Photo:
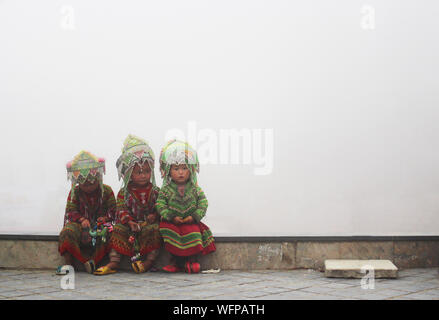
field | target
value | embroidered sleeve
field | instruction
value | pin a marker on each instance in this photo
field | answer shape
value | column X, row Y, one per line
column 72, row 213
column 154, row 196
column 202, row 204
column 110, row 204
column 122, row 211
column 162, row 205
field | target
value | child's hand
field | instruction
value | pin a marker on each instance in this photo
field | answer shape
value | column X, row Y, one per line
column 188, row 220
column 101, row 220
column 134, row 226
column 178, row 220
column 85, row 224
column 150, row 218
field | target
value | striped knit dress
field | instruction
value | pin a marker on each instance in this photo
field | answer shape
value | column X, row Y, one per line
column 186, row 239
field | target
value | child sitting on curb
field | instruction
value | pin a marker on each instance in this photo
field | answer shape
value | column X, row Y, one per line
column 182, row 204
column 136, row 233
column 90, row 202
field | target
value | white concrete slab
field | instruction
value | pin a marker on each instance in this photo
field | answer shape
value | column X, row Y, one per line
column 341, row 268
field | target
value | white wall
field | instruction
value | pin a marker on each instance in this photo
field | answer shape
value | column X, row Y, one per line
column 354, row 112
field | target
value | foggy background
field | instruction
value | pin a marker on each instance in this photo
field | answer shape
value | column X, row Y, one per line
column 353, row 109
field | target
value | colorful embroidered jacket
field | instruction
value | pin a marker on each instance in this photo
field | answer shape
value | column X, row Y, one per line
column 137, row 203
column 171, row 204
column 90, row 207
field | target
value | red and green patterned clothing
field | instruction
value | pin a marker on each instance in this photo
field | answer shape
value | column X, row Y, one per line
column 135, row 205
column 89, row 206
column 185, row 239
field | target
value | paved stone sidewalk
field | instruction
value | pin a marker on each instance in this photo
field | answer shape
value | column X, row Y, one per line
column 236, row 285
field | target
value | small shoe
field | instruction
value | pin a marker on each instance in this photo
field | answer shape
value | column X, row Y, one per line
column 103, row 271
column 138, row 267
column 187, row 267
column 90, row 266
column 192, row 267
column 195, row 267
column 171, row 268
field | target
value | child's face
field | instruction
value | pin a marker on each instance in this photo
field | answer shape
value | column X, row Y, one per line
column 141, row 174
column 89, row 187
column 180, row 173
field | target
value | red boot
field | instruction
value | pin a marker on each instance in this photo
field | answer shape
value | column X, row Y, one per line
column 171, row 268
column 192, row 267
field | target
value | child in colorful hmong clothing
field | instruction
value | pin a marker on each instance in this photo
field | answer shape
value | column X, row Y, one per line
column 90, row 203
column 136, row 233
column 182, row 204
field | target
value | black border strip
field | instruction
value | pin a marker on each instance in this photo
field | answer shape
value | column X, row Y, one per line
column 256, row 238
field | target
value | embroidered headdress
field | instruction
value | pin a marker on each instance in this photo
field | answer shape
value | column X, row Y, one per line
column 135, row 151
column 85, row 166
column 178, row 152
